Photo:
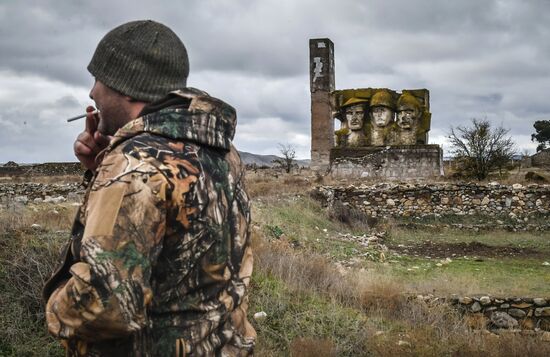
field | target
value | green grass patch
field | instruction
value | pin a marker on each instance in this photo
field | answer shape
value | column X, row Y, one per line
column 292, row 315
column 306, row 225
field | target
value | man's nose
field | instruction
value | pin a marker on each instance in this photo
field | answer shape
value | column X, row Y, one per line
column 91, row 94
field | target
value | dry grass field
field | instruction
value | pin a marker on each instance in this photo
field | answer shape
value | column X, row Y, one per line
column 324, row 293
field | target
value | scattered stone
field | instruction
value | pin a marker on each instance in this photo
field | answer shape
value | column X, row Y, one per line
column 517, row 186
column 539, row 301
column 503, row 320
column 21, row 199
column 73, row 197
column 260, row 316
column 527, row 324
column 59, row 199
column 403, row 343
column 476, row 307
column 36, row 226
column 465, row 300
column 518, row 313
column 542, row 311
column 522, row 305
column 485, row 300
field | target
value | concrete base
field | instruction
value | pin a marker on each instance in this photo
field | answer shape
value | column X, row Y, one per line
column 388, row 162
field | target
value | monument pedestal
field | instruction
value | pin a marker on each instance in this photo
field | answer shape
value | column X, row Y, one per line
column 388, row 162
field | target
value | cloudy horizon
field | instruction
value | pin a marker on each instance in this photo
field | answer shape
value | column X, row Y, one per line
column 479, row 59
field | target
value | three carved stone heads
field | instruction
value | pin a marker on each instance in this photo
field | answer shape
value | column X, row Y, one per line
column 381, row 117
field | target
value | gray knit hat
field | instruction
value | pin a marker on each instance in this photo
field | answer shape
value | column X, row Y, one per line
column 141, row 59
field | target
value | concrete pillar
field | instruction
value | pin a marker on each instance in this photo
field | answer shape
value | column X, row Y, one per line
column 321, row 83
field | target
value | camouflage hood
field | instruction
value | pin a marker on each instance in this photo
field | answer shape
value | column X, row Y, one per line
column 188, row 114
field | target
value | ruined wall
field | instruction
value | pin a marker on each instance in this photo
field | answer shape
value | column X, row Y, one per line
column 515, row 203
column 24, row 193
column 46, row 169
column 494, row 313
column 391, row 162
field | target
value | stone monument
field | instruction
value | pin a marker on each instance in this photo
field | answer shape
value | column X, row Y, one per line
column 321, row 70
column 382, row 132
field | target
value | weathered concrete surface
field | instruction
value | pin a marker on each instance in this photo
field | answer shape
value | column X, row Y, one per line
column 321, row 70
column 322, row 128
column 389, row 162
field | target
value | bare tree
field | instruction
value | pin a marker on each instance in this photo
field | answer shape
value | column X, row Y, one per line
column 289, row 155
column 480, row 148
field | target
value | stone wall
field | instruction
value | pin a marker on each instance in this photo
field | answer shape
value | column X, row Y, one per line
column 46, row 169
column 29, row 192
column 516, row 313
column 391, row 162
column 516, row 203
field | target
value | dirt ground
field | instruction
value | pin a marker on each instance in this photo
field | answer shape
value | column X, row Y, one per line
column 471, row 249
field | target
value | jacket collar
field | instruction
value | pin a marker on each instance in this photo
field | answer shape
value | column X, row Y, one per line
column 207, row 120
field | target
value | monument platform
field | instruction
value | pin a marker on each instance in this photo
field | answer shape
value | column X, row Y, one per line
column 388, row 162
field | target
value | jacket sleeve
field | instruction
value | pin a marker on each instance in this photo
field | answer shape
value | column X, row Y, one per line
column 109, row 289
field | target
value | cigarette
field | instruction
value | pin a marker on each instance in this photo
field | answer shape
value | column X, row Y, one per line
column 81, row 116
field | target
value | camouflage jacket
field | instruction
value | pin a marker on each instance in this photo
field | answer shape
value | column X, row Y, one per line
column 159, row 259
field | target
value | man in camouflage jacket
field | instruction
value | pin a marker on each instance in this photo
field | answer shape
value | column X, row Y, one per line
column 159, row 259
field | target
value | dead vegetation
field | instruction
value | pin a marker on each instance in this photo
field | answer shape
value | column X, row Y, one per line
column 30, row 243
column 392, row 325
column 314, row 307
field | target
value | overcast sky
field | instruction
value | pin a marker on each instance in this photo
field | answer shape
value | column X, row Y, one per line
column 478, row 59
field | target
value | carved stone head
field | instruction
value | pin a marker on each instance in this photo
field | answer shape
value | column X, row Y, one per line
column 354, row 112
column 408, row 111
column 355, row 116
column 382, row 109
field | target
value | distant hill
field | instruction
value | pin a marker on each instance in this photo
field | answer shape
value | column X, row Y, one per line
column 265, row 160
column 247, row 158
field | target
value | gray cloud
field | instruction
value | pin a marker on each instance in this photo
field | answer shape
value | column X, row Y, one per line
column 478, row 58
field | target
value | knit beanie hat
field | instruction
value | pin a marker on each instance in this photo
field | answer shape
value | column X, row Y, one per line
column 141, row 59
